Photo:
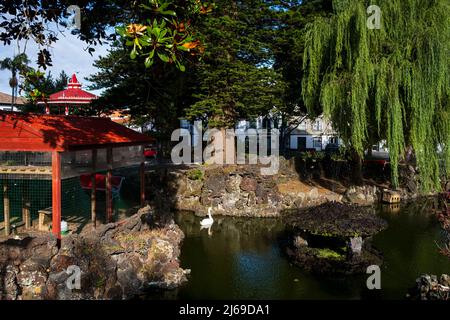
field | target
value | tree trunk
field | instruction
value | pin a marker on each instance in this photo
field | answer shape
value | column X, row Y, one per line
column 283, row 136
column 224, row 145
column 12, row 99
column 357, row 175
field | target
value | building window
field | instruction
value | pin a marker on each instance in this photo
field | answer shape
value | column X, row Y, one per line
column 275, row 123
column 317, row 143
column 317, row 125
column 301, row 143
column 334, row 140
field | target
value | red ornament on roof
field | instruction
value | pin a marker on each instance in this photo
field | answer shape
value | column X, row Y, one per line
column 69, row 98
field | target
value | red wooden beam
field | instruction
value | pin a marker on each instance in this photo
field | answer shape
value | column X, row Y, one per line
column 56, row 194
column 109, row 207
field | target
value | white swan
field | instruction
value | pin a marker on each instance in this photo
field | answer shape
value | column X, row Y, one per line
column 209, row 229
column 208, row 221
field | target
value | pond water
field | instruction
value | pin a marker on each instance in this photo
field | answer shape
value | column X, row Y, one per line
column 242, row 259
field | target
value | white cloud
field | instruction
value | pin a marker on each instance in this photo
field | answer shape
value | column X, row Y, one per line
column 68, row 54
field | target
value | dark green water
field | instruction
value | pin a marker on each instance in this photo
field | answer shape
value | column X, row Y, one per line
column 242, row 259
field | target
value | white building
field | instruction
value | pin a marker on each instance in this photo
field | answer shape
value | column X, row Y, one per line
column 313, row 134
column 5, row 102
column 306, row 136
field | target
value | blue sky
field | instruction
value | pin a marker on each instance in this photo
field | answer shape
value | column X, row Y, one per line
column 68, row 54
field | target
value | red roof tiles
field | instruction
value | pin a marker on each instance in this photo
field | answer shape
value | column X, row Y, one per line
column 36, row 132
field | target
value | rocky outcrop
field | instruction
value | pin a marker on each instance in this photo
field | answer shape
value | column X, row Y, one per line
column 430, row 287
column 443, row 215
column 363, row 195
column 337, row 219
column 326, row 261
column 116, row 261
column 241, row 190
column 368, row 195
column 236, row 190
column 333, row 238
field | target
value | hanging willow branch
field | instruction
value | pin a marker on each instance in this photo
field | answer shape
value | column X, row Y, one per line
column 390, row 83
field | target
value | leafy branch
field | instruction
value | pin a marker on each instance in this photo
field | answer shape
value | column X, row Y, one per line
column 165, row 34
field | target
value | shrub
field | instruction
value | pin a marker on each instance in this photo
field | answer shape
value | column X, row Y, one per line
column 195, row 174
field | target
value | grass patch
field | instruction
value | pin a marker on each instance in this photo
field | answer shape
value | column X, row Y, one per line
column 326, row 253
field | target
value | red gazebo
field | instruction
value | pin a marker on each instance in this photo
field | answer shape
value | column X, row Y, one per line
column 54, row 148
column 69, row 99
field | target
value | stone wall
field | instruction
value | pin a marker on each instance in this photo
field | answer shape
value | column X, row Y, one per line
column 241, row 190
column 430, row 287
column 117, row 261
column 234, row 190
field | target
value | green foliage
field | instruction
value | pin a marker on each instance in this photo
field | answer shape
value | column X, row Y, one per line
column 195, row 174
column 17, row 65
column 326, row 253
column 235, row 79
column 388, row 84
column 22, row 21
column 241, row 74
column 37, row 87
column 157, row 97
column 312, row 156
column 287, row 40
column 34, row 84
column 165, row 31
column 341, row 155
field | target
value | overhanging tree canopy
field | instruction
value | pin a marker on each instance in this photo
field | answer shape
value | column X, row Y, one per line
column 391, row 83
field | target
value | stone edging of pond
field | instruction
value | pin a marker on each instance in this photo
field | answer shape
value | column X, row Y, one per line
column 117, row 261
column 430, row 287
column 241, row 190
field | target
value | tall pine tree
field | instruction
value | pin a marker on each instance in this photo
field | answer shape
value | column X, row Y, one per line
column 235, row 80
column 287, row 39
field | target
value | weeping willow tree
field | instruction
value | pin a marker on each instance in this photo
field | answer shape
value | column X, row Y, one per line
column 390, row 83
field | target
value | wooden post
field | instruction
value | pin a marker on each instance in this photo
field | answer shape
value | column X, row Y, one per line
column 142, row 181
column 56, row 195
column 109, row 207
column 6, row 208
column 94, row 188
column 26, row 207
column 26, row 217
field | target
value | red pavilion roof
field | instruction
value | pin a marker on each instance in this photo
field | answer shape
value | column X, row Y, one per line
column 72, row 95
column 37, row 132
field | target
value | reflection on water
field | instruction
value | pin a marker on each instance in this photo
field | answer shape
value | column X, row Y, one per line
column 242, row 258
